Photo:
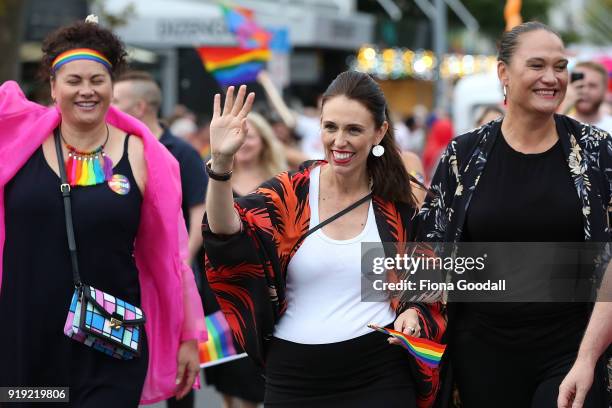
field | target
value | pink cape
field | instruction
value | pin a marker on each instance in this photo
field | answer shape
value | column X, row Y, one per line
column 170, row 298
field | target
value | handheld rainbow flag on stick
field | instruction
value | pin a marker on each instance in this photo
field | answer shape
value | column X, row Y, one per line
column 424, row 350
column 219, row 348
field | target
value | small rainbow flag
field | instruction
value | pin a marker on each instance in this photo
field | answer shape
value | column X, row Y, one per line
column 234, row 65
column 219, row 348
column 425, row 350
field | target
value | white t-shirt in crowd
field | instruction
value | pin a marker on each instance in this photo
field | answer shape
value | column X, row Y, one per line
column 309, row 130
column 605, row 123
column 324, row 285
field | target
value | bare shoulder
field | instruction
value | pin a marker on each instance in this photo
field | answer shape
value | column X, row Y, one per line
column 412, row 162
column 137, row 161
column 136, row 147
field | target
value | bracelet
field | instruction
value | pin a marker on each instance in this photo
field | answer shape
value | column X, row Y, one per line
column 217, row 176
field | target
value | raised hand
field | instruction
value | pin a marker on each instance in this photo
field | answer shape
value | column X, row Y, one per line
column 228, row 128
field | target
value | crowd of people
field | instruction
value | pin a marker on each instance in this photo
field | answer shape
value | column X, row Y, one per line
column 136, row 226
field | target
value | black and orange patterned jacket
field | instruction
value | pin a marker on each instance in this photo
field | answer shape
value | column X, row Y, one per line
column 247, row 270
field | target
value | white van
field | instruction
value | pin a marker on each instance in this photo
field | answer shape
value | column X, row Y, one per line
column 471, row 93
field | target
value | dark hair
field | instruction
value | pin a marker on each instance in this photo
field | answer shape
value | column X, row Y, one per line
column 390, row 179
column 82, row 35
column 485, row 110
column 509, row 40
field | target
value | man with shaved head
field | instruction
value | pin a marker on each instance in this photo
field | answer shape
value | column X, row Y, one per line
column 136, row 93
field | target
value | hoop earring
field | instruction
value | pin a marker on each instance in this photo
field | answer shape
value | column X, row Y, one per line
column 378, row 150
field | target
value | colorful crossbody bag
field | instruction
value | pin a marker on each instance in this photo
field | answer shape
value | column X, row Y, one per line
column 95, row 318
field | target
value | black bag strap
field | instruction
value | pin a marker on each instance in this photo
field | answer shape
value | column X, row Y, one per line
column 337, row 215
column 330, row 219
column 65, row 189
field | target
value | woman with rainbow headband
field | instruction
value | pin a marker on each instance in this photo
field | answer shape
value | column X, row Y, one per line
column 125, row 192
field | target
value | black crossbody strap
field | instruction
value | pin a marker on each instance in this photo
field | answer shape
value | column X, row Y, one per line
column 65, row 189
column 337, row 215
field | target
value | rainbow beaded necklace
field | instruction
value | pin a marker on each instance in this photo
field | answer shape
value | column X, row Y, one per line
column 88, row 168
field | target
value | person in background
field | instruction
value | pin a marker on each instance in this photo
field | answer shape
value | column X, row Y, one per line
column 200, row 139
column 180, row 112
column 184, row 128
column 241, row 382
column 307, row 127
column 439, row 136
column 587, row 93
column 515, row 180
column 131, row 239
column 488, row 113
column 260, row 157
column 136, row 93
column 415, row 123
column 414, row 167
column 287, row 137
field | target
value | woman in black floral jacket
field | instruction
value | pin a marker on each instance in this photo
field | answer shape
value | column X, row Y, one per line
column 531, row 176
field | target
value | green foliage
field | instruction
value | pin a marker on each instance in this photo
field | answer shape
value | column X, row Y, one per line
column 597, row 17
column 570, row 37
column 490, row 14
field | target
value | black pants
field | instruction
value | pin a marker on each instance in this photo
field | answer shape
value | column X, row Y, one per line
column 489, row 375
column 361, row 372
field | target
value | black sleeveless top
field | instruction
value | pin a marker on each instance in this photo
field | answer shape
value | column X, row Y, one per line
column 525, row 198
column 37, row 275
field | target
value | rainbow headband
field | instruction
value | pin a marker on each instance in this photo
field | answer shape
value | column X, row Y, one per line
column 80, row 54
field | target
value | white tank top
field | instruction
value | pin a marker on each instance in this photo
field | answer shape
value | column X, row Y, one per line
column 324, row 285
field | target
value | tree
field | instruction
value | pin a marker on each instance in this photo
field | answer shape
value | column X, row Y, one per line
column 490, row 14
column 11, row 23
column 597, row 16
column 413, row 29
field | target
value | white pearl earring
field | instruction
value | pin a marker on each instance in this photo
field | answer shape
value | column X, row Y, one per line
column 378, row 150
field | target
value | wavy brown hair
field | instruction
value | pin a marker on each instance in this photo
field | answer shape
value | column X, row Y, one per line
column 390, row 179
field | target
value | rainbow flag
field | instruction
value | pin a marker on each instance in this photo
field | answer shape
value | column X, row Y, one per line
column 219, row 348
column 241, row 23
column 233, row 65
column 427, row 351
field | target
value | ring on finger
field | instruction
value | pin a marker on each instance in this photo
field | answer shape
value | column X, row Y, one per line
column 411, row 329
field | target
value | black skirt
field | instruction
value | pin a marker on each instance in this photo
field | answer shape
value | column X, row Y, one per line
column 362, row 372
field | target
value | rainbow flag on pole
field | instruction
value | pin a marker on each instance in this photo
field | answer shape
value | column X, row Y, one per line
column 219, row 348
column 234, row 65
column 241, row 64
column 427, row 351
